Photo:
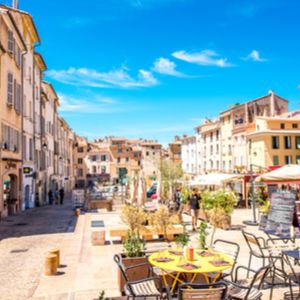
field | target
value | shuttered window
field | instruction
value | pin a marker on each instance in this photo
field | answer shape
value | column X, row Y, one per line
column 10, row 88
column 10, row 42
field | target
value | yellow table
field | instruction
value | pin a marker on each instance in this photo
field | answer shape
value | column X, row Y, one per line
column 203, row 262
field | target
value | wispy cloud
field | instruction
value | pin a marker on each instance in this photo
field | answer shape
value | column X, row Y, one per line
column 119, row 78
column 254, row 55
column 203, row 58
column 165, row 66
column 96, row 104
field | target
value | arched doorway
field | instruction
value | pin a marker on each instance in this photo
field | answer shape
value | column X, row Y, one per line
column 27, row 196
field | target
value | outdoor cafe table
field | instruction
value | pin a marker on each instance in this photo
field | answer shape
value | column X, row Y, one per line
column 210, row 263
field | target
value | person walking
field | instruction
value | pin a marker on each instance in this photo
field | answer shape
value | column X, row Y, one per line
column 61, row 195
column 56, row 196
column 50, row 197
column 195, row 206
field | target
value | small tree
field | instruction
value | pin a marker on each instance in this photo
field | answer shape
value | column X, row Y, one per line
column 162, row 219
column 202, row 235
column 219, row 206
column 134, row 217
column 170, row 174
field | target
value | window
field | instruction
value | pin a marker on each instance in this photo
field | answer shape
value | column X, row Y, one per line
column 287, row 142
column 275, row 142
column 10, row 88
column 298, row 159
column 147, row 153
column 80, row 172
column 297, row 142
column 136, row 154
column 127, row 159
column 211, row 149
column 119, row 160
column 120, row 150
column 94, row 169
column 103, row 169
column 17, row 55
column 24, row 148
column 80, row 149
column 103, row 157
column 295, row 125
column 288, row 159
column 211, row 136
column 10, row 42
column 217, row 135
column 80, row 161
column 275, row 160
column 30, row 149
column 282, row 126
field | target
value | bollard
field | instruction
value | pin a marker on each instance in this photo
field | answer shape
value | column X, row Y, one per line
column 50, row 267
column 56, row 252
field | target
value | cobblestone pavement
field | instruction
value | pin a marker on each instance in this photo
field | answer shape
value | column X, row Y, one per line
column 24, row 241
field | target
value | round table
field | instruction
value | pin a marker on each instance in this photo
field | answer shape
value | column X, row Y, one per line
column 205, row 262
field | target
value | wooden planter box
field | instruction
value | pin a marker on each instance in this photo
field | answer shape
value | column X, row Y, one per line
column 134, row 274
column 147, row 233
column 100, row 204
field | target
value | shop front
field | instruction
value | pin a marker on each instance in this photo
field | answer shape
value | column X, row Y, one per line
column 11, row 183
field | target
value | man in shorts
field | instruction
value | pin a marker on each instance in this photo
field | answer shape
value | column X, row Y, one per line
column 195, row 206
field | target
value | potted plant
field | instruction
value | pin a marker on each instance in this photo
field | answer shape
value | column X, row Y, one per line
column 182, row 239
column 202, row 235
column 133, row 245
column 219, row 206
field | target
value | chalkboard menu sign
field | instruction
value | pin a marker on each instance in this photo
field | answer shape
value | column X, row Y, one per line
column 280, row 217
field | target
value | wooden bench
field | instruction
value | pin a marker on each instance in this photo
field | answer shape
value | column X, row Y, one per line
column 148, row 232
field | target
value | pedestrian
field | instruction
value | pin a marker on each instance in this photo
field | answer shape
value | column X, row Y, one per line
column 50, row 197
column 195, row 206
column 56, row 196
column 61, row 195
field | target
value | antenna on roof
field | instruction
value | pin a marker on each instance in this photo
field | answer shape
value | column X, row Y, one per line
column 15, row 4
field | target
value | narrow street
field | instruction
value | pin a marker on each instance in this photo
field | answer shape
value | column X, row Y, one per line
column 24, row 242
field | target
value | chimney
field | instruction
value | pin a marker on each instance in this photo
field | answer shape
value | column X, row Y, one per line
column 272, row 103
column 15, row 4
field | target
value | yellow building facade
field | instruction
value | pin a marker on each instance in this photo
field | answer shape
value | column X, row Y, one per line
column 276, row 141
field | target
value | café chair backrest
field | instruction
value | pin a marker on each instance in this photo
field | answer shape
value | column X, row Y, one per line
column 192, row 291
column 118, row 261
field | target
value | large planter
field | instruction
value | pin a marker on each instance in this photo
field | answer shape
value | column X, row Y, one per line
column 133, row 274
column 226, row 223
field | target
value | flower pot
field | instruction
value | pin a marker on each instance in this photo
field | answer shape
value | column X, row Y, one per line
column 77, row 212
column 134, row 274
column 226, row 223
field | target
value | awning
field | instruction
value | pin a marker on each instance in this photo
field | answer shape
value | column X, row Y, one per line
column 286, row 174
column 214, row 179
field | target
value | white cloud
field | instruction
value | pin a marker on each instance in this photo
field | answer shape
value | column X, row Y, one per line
column 203, row 58
column 165, row 66
column 254, row 56
column 119, row 78
column 96, row 105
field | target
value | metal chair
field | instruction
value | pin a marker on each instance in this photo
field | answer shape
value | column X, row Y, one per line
column 229, row 248
column 247, row 289
column 257, row 247
column 292, row 272
column 147, row 288
column 192, row 291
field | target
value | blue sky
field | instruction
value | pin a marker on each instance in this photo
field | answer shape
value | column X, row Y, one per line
column 156, row 68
